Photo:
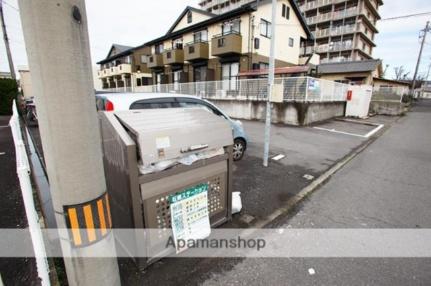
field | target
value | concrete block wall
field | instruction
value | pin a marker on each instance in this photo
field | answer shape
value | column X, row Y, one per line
column 292, row 113
column 387, row 108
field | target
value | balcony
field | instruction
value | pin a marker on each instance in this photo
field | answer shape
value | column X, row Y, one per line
column 307, row 50
column 318, row 4
column 348, row 29
column 345, row 13
column 321, row 33
column 334, row 47
column 174, row 56
column 196, row 51
column 226, row 44
column 121, row 69
column 155, row 61
column 107, row 72
column 335, row 60
column 319, row 18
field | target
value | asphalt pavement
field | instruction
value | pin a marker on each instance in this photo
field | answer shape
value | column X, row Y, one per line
column 386, row 186
column 308, row 151
column 14, row 271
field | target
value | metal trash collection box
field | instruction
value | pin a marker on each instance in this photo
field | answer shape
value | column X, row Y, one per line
column 147, row 137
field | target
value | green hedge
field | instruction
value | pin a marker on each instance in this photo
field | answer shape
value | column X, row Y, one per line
column 8, row 92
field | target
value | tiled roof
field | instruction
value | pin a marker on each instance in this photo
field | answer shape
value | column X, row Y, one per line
column 349, row 67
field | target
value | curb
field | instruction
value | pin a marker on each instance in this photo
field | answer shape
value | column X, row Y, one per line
column 316, row 184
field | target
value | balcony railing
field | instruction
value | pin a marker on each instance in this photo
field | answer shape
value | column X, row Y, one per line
column 116, row 70
column 324, row 17
column 174, row 56
column 196, row 51
column 318, row 4
column 333, row 47
column 155, row 60
column 223, row 6
column 307, row 50
column 335, row 60
column 225, row 44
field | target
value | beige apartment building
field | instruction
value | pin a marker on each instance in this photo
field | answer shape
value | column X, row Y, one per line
column 344, row 30
column 205, row 46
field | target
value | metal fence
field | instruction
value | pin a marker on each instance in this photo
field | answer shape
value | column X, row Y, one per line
column 299, row 89
column 23, row 171
column 389, row 93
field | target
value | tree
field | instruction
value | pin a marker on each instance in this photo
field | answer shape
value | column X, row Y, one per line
column 400, row 73
column 8, row 92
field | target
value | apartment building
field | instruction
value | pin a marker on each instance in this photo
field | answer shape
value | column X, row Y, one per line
column 125, row 66
column 344, row 30
column 205, row 46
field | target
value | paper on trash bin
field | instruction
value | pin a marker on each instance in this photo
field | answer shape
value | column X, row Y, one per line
column 185, row 160
column 236, row 202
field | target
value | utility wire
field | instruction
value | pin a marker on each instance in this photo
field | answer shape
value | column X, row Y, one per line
column 406, row 16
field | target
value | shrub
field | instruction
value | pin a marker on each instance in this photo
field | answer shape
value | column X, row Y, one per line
column 8, row 92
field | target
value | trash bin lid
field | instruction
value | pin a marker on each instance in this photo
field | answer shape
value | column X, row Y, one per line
column 165, row 134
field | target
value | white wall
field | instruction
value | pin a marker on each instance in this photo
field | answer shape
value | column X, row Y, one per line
column 285, row 29
column 196, row 18
column 26, row 84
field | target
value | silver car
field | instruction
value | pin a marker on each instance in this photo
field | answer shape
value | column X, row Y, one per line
column 129, row 101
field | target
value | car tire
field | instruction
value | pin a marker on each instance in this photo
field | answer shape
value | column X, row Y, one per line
column 238, row 149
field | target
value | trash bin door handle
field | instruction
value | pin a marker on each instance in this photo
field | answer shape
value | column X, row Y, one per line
column 194, row 148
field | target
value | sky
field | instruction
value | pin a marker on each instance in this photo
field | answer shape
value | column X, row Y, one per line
column 135, row 22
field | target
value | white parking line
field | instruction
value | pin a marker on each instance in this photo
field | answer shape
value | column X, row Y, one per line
column 278, row 157
column 369, row 134
column 340, row 132
column 5, row 126
column 2, row 153
column 374, row 131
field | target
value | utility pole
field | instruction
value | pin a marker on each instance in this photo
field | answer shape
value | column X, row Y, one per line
column 6, row 42
column 428, row 72
column 56, row 37
column 271, row 75
column 426, row 30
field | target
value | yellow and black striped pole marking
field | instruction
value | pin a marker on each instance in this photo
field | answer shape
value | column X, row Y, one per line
column 89, row 222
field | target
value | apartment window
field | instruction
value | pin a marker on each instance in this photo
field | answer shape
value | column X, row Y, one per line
column 263, row 66
column 221, row 42
column 265, row 28
column 158, row 81
column 138, row 82
column 144, row 59
column 177, row 76
column 128, row 60
column 177, row 44
column 158, row 49
column 231, row 27
column 256, row 43
column 201, row 36
column 189, row 17
column 291, row 42
column 229, row 75
column 200, row 73
column 191, row 49
column 285, row 13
